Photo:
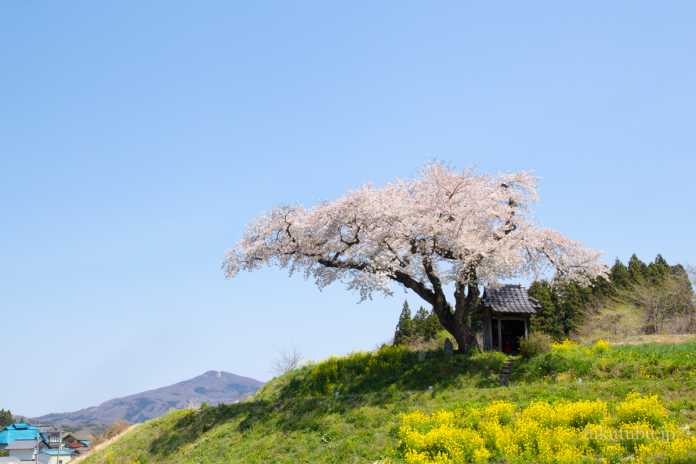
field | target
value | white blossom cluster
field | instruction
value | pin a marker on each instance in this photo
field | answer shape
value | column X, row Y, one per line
column 444, row 227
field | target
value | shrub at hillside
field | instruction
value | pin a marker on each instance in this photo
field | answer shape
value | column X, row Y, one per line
column 535, row 344
column 112, row 431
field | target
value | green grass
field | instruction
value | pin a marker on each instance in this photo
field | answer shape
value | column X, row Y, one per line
column 346, row 410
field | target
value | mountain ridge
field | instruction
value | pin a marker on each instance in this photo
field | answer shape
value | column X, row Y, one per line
column 211, row 387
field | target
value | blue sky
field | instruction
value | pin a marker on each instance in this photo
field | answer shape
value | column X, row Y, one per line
column 138, row 138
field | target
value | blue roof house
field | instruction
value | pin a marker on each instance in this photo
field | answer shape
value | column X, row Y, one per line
column 18, row 431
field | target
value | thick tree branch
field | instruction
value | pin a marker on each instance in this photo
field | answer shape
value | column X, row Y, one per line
column 434, row 281
column 344, row 264
column 418, row 287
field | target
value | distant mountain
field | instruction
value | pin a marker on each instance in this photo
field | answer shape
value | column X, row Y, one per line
column 213, row 387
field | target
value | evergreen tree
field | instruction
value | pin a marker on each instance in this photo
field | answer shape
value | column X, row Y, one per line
column 404, row 328
column 419, row 322
column 681, row 275
column 637, row 269
column 571, row 300
column 5, row 418
column 547, row 318
column 563, row 307
column 658, row 270
column 601, row 288
column 432, row 326
column 619, row 274
column 425, row 324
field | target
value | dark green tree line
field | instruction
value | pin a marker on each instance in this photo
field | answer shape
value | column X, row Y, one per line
column 5, row 418
column 424, row 325
column 662, row 291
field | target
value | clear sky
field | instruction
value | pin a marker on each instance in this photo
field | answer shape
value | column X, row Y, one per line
column 138, row 138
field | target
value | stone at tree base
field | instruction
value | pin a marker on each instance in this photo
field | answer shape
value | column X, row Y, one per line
column 449, row 347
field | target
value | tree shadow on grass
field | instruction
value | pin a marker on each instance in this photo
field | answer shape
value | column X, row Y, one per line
column 391, row 368
column 336, row 386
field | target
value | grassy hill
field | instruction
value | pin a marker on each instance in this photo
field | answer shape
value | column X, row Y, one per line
column 378, row 407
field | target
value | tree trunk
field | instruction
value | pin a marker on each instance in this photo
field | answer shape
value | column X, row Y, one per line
column 466, row 296
column 467, row 301
column 465, row 337
column 457, row 326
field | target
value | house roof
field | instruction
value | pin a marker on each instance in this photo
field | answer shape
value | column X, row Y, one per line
column 18, row 431
column 510, row 299
column 57, row 452
column 19, row 426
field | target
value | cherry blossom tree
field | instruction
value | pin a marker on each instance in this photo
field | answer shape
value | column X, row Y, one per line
column 442, row 233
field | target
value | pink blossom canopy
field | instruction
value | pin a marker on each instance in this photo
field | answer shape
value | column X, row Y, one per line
column 456, row 227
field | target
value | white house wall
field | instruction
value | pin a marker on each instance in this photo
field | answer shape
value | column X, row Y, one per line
column 46, row 459
column 23, row 455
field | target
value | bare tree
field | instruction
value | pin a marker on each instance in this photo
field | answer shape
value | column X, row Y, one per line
column 114, row 430
column 691, row 271
column 287, row 361
column 668, row 305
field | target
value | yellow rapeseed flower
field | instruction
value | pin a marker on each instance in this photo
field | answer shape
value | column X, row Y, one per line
column 565, row 432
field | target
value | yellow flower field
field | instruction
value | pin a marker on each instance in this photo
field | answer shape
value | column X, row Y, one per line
column 548, row 433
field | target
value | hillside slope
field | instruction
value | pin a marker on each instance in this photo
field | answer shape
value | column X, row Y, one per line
column 212, row 387
column 349, row 410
